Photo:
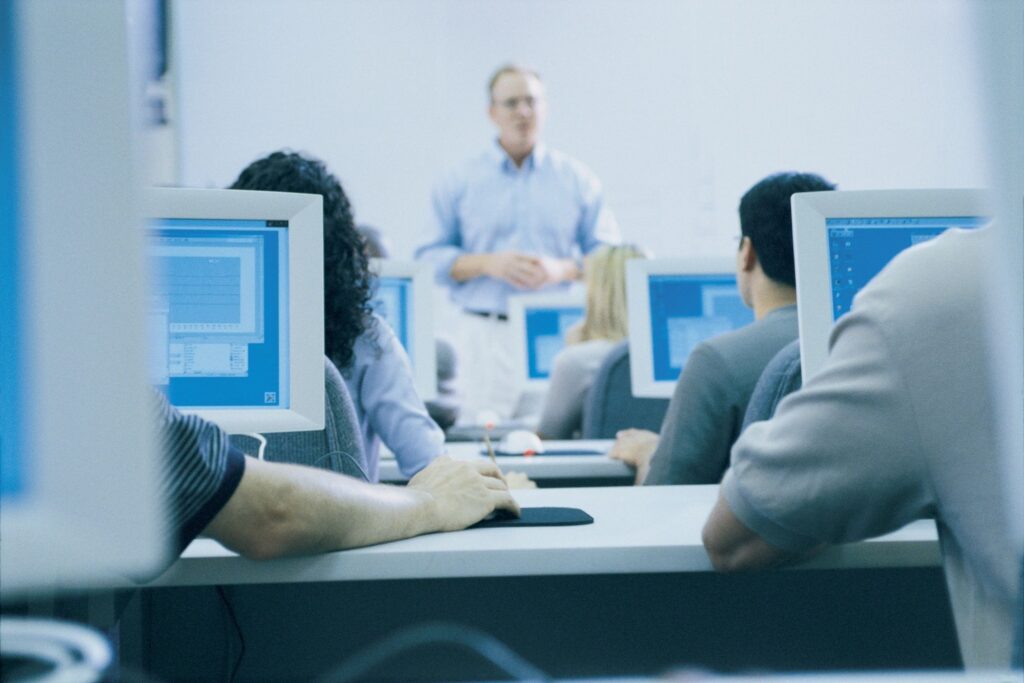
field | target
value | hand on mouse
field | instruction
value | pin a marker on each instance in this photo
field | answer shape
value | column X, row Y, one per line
column 462, row 493
column 635, row 448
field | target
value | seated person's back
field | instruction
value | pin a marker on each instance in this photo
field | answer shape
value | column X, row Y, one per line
column 706, row 412
column 371, row 360
column 898, row 425
column 605, row 324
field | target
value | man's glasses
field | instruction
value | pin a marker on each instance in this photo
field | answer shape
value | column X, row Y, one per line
column 512, row 103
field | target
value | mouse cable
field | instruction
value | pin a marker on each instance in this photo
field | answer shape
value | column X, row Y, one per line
column 233, row 671
column 263, row 444
column 431, row 633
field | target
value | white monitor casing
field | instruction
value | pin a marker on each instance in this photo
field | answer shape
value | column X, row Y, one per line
column 88, row 511
column 423, row 355
column 518, row 306
column 811, row 210
column 305, row 330
column 641, row 355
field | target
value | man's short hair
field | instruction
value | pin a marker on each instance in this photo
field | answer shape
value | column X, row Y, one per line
column 766, row 219
column 510, row 69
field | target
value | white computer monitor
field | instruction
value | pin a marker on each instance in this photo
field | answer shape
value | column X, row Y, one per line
column 236, row 306
column 403, row 296
column 538, row 324
column 842, row 239
column 674, row 304
column 79, row 461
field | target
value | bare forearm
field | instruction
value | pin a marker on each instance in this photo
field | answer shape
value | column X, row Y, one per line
column 470, row 266
column 731, row 546
column 283, row 509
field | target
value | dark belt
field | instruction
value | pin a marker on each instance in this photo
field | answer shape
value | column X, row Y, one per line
column 485, row 314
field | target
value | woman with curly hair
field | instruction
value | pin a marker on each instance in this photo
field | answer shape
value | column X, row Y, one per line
column 363, row 347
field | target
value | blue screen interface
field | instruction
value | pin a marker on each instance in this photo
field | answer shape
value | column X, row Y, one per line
column 686, row 310
column 858, row 248
column 218, row 312
column 393, row 300
column 545, row 336
column 12, row 474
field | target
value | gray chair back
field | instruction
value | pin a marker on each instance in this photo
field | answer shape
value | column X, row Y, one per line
column 781, row 377
column 338, row 447
column 610, row 404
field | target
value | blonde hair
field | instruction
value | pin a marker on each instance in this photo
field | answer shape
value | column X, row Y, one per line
column 605, row 274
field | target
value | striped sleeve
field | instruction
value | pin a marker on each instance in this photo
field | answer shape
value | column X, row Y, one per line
column 200, row 472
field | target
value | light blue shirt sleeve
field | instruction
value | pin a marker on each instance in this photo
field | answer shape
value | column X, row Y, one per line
column 550, row 206
column 387, row 405
column 447, row 246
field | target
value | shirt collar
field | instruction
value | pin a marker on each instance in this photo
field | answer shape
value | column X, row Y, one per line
column 536, row 158
column 781, row 310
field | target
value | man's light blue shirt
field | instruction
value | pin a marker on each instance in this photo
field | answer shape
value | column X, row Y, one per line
column 550, row 206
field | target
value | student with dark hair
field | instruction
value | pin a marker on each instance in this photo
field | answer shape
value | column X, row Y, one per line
column 361, row 344
column 706, row 411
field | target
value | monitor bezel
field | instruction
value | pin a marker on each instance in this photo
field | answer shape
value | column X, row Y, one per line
column 424, row 355
column 91, row 511
column 810, row 212
column 518, row 304
column 641, row 354
column 304, row 213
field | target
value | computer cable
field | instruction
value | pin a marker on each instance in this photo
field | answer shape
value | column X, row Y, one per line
column 432, row 633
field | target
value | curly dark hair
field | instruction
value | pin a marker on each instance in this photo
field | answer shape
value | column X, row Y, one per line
column 347, row 279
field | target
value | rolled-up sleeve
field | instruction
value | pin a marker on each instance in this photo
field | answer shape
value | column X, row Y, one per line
column 841, row 459
column 200, row 473
column 597, row 225
column 446, row 228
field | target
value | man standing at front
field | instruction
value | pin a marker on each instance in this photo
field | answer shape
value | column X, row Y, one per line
column 516, row 218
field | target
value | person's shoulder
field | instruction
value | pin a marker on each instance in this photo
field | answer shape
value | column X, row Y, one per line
column 741, row 342
column 567, row 165
column 378, row 338
column 582, row 352
column 458, row 174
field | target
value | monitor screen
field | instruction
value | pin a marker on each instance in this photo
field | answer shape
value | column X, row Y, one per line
column 858, row 248
column 545, row 336
column 687, row 309
column 538, row 324
column 392, row 300
column 403, row 296
column 12, row 474
column 842, row 239
column 673, row 305
column 236, row 316
column 219, row 312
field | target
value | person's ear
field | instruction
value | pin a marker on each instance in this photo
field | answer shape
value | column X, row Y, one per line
column 748, row 255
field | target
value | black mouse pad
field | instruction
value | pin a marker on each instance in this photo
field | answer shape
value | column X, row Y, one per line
column 539, row 517
column 550, row 451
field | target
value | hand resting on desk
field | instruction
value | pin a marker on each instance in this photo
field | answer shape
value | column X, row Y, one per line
column 635, row 448
column 462, row 496
column 280, row 509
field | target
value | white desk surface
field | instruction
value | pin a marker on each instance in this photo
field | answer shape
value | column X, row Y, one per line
column 538, row 467
column 635, row 530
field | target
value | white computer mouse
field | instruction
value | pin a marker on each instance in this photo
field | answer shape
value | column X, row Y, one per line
column 521, row 441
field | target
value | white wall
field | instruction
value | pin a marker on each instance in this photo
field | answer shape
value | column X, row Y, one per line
column 679, row 106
